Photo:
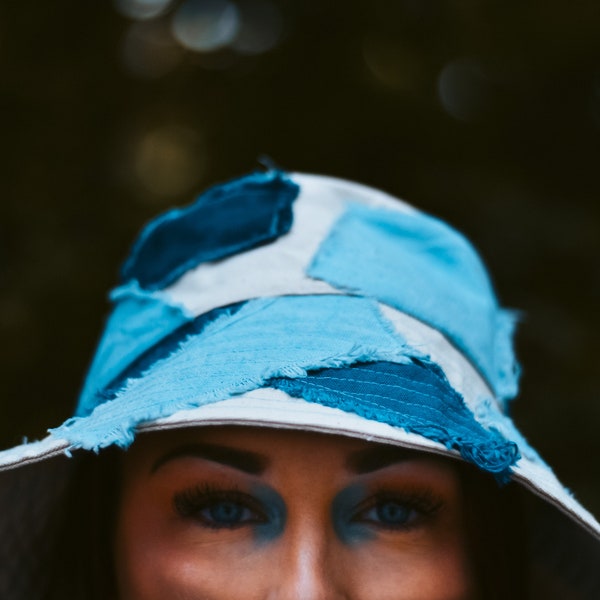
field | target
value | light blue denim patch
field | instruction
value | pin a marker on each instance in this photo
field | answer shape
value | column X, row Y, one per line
column 163, row 349
column 420, row 266
column 239, row 352
column 139, row 320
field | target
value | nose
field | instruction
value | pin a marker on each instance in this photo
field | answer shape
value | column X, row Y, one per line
column 307, row 568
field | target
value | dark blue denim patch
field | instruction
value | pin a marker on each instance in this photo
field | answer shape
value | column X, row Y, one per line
column 224, row 220
column 415, row 396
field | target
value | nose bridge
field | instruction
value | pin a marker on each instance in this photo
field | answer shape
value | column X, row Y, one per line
column 307, row 568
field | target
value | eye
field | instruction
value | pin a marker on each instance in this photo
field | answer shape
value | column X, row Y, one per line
column 218, row 509
column 227, row 513
column 405, row 511
column 391, row 513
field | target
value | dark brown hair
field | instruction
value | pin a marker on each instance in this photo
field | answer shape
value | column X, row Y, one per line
column 497, row 531
column 81, row 567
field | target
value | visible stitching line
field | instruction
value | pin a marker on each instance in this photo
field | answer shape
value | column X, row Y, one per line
column 395, row 386
column 365, row 369
column 372, row 403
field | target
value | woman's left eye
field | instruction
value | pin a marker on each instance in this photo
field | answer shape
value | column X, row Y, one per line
column 218, row 509
column 393, row 512
column 390, row 513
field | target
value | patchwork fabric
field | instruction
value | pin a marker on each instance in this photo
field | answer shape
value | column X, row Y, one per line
column 421, row 266
column 157, row 357
column 415, row 396
column 239, row 352
column 162, row 350
column 139, row 320
column 225, row 220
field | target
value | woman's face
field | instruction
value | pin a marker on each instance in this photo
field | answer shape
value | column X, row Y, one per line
column 239, row 513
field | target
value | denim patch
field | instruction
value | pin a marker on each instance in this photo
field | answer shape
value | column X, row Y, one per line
column 224, row 220
column 138, row 321
column 164, row 348
column 415, row 396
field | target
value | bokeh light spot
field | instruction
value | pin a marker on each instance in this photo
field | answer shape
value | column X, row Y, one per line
column 206, row 25
column 142, row 9
column 261, row 27
column 463, row 89
column 169, row 160
column 149, row 51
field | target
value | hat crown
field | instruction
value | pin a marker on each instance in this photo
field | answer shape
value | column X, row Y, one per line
column 350, row 240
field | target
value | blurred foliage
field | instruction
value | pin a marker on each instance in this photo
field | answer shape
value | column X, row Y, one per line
column 485, row 113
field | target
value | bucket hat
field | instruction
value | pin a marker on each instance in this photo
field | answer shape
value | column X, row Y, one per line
column 303, row 302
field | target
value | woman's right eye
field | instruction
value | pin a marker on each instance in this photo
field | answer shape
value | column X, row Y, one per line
column 219, row 509
column 227, row 513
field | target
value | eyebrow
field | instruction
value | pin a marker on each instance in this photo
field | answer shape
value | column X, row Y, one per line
column 378, row 457
column 242, row 460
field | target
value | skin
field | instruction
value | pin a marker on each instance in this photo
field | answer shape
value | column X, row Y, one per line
column 262, row 514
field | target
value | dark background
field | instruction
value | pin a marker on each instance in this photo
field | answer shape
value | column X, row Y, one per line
column 484, row 113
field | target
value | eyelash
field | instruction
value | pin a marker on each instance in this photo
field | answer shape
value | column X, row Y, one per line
column 199, row 503
column 416, row 507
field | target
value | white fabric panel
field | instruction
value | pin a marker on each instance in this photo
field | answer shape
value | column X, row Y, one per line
column 278, row 268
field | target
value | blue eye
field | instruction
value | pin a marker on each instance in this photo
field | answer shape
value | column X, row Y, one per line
column 218, row 509
column 227, row 513
column 392, row 514
column 401, row 512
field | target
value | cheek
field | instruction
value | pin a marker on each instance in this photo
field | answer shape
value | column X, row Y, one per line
column 429, row 561
column 158, row 555
column 142, row 553
column 417, row 568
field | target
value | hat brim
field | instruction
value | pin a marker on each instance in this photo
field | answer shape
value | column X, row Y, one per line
column 268, row 407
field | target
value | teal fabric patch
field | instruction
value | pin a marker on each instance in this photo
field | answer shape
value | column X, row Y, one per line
column 420, row 266
column 415, row 396
column 239, row 352
column 139, row 320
